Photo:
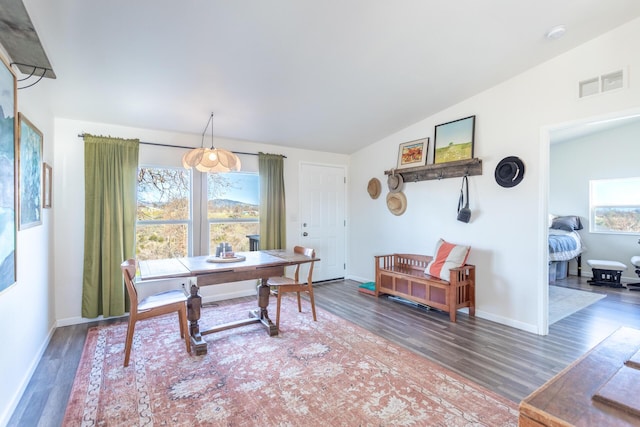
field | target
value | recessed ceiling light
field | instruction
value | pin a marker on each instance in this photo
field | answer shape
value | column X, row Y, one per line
column 556, row 32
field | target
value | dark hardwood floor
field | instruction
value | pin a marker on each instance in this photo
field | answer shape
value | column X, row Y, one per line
column 508, row 361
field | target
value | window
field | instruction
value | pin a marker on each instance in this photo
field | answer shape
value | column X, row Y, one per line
column 614, row 206
column 169, row 218
column 164, row 219
column 232, row 209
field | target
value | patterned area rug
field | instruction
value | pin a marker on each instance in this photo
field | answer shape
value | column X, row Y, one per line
column 330, row 372
column 564, row 302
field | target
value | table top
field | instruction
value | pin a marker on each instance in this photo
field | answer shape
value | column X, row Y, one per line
column 194, row 266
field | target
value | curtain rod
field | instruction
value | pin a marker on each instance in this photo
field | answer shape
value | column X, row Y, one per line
column 183, row 147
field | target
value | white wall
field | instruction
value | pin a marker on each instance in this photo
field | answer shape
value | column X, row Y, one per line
column 26, row 308
column 507, row 231
column 69, row 188
column 614, row 153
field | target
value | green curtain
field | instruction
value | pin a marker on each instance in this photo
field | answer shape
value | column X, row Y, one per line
column 273, row 218
column 110, row 174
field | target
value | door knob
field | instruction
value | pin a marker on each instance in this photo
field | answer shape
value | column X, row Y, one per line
column 305, row 234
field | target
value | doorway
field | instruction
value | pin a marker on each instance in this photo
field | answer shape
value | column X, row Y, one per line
column 323, row 217
column 575, row 156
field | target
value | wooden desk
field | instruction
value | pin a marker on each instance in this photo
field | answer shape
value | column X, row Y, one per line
column 256, row 265
column 567, row 399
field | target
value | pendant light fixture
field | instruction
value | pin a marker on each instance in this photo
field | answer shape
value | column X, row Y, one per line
column 211, row 159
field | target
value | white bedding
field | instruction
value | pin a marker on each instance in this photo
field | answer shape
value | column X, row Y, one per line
column 564, row 245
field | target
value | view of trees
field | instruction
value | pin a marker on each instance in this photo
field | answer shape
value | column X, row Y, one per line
column 621, row 219
column 615, row 205
column 234, row 233
column 230, row 220
column 162, row 230
column 161, row 241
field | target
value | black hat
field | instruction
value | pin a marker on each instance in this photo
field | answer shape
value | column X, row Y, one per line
column 509, row 171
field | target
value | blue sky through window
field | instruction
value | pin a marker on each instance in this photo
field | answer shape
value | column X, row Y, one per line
column 245, row 188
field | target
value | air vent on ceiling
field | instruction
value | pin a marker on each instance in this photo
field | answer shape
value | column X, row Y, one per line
column 604, row 83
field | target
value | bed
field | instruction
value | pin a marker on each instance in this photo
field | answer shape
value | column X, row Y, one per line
column 565, row 243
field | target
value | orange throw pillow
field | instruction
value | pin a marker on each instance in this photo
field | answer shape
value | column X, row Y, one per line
column 447, row 256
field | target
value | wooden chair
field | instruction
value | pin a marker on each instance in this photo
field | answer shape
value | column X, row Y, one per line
column 286, row 284
column 152, row 306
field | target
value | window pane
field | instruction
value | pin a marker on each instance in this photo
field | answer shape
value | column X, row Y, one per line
column 235, row 233
column 161, row 241
column 234, row 195
column 163, row 194
column 615, row 205
column 232, row 209
column 163, row 215
column 616, row 220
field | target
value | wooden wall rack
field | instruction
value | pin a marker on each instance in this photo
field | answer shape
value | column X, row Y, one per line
column 455, row 169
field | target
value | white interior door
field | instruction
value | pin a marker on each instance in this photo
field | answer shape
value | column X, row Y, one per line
column 322, row 217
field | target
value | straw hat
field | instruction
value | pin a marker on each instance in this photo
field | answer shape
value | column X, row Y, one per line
column 509, row 172
column 395, row 182
column 397, row 203
column 374, row 187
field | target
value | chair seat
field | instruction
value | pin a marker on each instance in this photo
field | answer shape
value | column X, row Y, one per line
column 163, row 298
column 635, row 260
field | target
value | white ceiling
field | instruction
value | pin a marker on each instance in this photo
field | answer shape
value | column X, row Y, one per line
column 592, row 126
column 331, row 75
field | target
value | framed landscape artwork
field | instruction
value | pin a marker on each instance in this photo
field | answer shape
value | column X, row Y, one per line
column 29, row 174
column 454, row 140
column 413, row 153
column 8, row 231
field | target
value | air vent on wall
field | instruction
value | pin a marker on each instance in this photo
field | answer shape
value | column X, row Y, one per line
column 604, row 83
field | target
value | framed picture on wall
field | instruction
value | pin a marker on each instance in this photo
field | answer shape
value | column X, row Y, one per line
column 413, row 153
column 29, row 174
column 8, row 232
column 46, row 185
column 454, row 140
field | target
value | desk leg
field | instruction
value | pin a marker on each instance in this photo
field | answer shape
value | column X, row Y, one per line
column 263, row 302
column 194, row 303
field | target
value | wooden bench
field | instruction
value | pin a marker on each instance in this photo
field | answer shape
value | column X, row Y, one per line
column 403, row 275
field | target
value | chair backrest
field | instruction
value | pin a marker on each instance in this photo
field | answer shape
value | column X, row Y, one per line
column 129, row 272
column 310, row 253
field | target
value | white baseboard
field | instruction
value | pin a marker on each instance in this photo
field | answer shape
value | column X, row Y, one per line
column 508, row 322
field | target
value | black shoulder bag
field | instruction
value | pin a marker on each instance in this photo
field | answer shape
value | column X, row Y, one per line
column 464, row 213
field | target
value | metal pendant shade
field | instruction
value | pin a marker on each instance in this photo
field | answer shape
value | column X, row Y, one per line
column 211, row 159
